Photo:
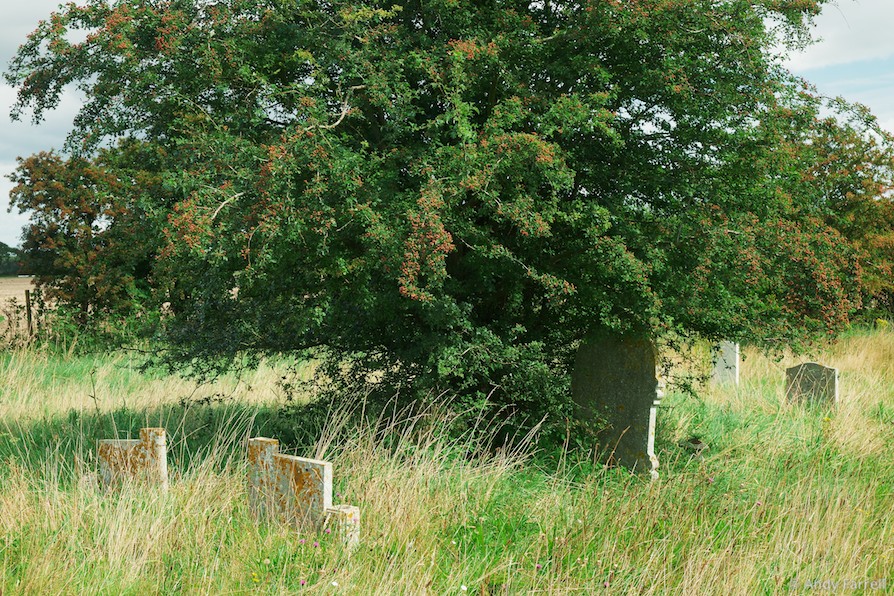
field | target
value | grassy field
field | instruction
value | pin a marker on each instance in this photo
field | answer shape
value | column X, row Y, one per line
column 785, row 495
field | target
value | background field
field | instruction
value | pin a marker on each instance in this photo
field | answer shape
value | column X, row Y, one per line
column 14, row 287
column 784, row 494
column 13, row 321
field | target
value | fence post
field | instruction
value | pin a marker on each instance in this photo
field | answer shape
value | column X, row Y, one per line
column 28, row 312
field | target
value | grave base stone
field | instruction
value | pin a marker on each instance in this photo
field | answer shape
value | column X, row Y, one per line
column 614, row 383
column 345, row 520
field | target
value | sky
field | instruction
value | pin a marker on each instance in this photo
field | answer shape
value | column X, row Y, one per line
column 854, row 59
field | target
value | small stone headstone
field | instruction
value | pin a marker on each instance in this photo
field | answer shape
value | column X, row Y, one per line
column 813, row 383
column 145, row 458
column 614, row 382
column 726, row 364
column 297, row 491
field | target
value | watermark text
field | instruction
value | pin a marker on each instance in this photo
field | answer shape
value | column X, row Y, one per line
column 838, row 585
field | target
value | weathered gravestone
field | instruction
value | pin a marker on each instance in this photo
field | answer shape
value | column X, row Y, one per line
column 614, row 382
column 813, row 383
column 726, row 364
column 297, row 491
column 145, row 458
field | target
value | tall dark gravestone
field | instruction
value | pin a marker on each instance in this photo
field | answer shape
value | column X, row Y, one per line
column 614, row 382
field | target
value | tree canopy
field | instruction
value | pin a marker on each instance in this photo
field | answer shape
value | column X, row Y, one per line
column 451, row 194
column 10, row 259
column 90, row 240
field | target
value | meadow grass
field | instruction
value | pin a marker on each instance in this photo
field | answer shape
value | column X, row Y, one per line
column 784, row 494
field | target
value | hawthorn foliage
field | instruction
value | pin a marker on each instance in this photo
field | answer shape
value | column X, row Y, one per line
column 849, row 174
column 450, row 194
column 90, row 240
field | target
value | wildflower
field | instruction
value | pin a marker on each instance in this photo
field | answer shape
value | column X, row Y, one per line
column 303, row 582
column 710, row 480
column 266, row 561
column 301, row 541
column 328, row 530
column 316, row 545
column 335, row 584
column 759, row 503
column 538, row 566
column 463, row 588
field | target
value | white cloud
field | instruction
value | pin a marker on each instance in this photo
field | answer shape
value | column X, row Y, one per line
column 11, row 225
column 23, row 138
column 11, row 222
column 855, row 57
column 851, row 31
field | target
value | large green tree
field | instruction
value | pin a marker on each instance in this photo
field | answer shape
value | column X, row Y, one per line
column 451, row 194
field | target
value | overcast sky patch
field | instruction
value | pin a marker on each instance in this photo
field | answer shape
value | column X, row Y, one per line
column 850, row 31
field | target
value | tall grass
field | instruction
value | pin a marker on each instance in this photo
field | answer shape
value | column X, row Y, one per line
column 784, row 493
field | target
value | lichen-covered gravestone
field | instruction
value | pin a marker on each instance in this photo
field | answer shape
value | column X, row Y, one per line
column 614, row 382
column 726, row 364
column 813, row 383
column 145, row 458
column 297, row 491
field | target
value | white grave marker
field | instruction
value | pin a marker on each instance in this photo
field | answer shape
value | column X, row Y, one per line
column 726, row 364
